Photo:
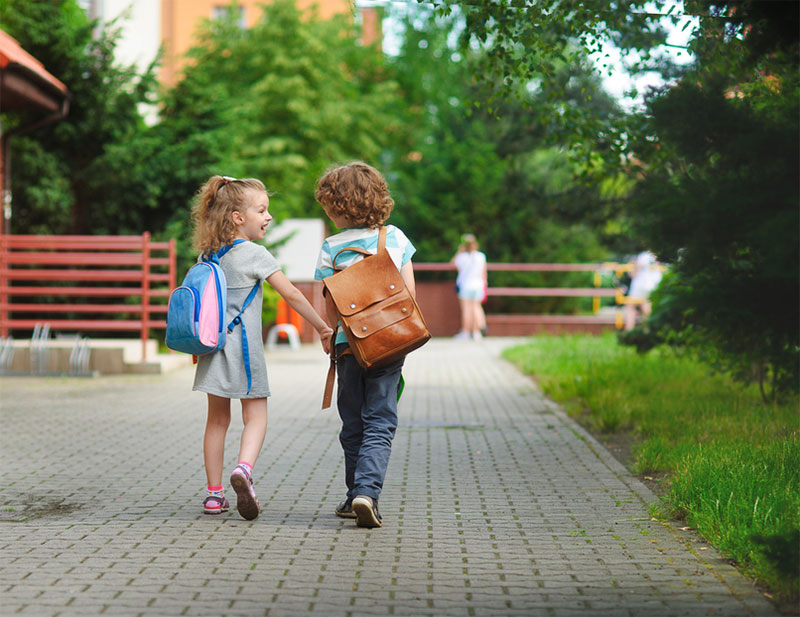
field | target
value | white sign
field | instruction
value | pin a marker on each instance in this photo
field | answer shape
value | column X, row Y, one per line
column 295, row 244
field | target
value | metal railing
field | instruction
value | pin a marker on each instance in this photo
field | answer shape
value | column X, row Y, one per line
column 597, row 291
column 79, row 283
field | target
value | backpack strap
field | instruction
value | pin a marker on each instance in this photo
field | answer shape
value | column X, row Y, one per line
column 353, row 249
column 215, row 256
column 382, row 239
column 332, row 317
column 329, row 381
column 327, row 394
column 366, row 253
column 237, row 321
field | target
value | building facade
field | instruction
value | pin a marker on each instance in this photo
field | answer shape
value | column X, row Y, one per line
column 147, row 25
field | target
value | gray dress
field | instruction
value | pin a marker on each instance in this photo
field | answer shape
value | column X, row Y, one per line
column 223, row 373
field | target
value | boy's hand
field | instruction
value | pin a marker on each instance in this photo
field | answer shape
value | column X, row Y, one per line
column 325, row 338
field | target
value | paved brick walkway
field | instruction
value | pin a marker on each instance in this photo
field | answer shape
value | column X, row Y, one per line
column 495, row 504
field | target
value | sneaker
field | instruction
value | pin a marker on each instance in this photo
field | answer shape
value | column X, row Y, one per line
column 366, row 510
column 476, row 336
column 246, row 501
column 462, row 336
column 215, row 505
column 345, row 509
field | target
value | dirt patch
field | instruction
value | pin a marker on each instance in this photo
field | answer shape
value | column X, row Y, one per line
column 21, row 508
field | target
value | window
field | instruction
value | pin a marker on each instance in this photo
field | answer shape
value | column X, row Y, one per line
column 221, row 12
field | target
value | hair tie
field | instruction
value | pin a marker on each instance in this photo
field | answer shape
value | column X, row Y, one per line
column 228, row 179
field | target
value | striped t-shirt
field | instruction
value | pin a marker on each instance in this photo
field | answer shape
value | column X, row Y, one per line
column 397, row 244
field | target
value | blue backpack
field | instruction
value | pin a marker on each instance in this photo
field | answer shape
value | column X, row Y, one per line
column 196, row 311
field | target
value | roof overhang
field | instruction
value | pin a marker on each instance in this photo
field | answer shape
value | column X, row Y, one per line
column 25, row 85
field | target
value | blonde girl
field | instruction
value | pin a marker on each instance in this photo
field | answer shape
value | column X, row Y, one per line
column 471, row 284
column 232, row 211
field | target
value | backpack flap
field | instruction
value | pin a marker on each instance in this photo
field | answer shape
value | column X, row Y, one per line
column 382, row 315
column 366, row 282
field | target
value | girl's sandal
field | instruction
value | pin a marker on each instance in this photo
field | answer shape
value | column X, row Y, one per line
column 215, row 505
column 246, row 500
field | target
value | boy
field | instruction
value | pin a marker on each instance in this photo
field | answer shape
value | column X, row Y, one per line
column 356, row 199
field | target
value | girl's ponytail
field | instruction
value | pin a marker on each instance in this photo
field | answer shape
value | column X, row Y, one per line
column 216, row 200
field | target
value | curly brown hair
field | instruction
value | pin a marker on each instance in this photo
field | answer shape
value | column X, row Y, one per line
column 214, row 203
column 356, row 192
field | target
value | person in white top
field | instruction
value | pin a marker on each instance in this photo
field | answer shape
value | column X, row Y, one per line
column 471, row 285
column 645, row 277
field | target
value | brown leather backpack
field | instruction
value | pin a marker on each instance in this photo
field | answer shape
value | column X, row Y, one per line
column 379, row 316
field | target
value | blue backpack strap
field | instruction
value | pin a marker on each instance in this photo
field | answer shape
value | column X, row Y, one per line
column 214, row 257
column 238, row 320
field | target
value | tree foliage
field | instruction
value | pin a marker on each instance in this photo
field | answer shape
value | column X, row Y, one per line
column 280, row 101
column 529, row 42
column 498, row 175
column 87, row 173
column 720, row 191
column 714, row 156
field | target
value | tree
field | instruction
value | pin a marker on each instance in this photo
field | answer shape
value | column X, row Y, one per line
column 529, row 42
column 720, row 191
column 499, row 175
column 714, row 156
column 281, row 101
column 463, row 166
column 87, row 173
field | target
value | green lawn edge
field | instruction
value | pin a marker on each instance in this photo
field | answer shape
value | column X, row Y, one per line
column 729, row 463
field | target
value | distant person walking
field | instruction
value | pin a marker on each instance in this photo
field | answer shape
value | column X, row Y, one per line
column 235, row 214
column 471, row 285
column 645, row 277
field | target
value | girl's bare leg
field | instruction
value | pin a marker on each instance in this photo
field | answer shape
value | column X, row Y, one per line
column 219, row 418
column 467, row 315
column 481, row 316
column 254, row 417
column 477, row 313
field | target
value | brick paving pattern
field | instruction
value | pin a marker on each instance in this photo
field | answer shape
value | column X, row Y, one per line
column 495, row 503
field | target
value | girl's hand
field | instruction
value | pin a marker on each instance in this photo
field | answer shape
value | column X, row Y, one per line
column 325, row 335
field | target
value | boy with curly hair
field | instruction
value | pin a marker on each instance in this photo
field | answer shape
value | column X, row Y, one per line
column 356, row 199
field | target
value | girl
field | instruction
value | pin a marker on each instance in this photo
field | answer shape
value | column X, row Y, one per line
column 226, row 210
column 471, row 284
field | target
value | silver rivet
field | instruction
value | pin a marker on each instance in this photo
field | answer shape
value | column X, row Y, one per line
column 391, row 286
column 363, row 328
column 352, row 306
column 404, row 310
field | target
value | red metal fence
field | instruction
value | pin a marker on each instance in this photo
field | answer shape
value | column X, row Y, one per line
column 440, row 306
column 78, row 283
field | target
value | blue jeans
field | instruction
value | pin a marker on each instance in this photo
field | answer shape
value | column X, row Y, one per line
column 367, row 402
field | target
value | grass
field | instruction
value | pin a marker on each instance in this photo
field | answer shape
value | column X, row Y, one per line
column 732, row 462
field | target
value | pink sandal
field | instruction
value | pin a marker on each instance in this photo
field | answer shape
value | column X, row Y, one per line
column 215, row 505
column 246, row 500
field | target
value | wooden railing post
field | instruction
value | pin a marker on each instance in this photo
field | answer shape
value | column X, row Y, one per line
column 145, row 292
column 4, row 291
column 172, row 252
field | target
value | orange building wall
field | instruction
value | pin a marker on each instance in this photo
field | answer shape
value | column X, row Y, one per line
column 180, row 18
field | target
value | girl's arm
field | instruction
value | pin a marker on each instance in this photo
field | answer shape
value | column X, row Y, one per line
column 298, row 302
column 407, row 272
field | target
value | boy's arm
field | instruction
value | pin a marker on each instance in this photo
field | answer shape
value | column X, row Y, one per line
column 407, row 272
column 298, row 302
